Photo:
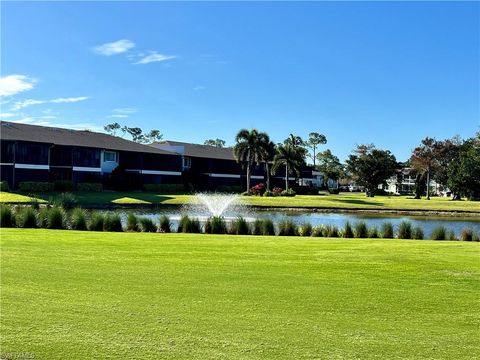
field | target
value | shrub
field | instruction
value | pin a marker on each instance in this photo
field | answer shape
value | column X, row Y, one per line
column 65, row 200
column 277, row 191
column 63, row 185
column 195, row 227
column 96, row 221
column 26, row 218
column 268, row 227
column 319, row 231
column 361, row 230
column 239, row 226
column 305, row 229
column 334, row 191
column 56, row 218
column 465, row 235
column 6, row 216
column 91, row 187
column 113, row 223
column 147, row 225
column 417, row 233
column 215, row 225
column 268, row 193
column 405, row 230
column 35, row 186
column 78, row 219
column 258, row 189
column 387, row 230
column 347, row 231
column 165, row 226
column 132, row 223
column 439, row 233
column 289, row 192
column 165, row 188
column 4, row 186
column 373, row 233
column 287, row 228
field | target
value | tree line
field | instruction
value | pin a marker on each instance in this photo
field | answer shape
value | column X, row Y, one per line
column 452, row 163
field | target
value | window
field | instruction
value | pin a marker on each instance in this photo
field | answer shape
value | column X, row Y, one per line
column 187, row 162
column 86, row 157
column 110, row 156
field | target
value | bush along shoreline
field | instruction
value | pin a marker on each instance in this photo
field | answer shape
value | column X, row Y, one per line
column 57, row 217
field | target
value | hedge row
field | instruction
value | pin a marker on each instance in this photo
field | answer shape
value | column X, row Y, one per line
column 63, row 185
column 78, row 219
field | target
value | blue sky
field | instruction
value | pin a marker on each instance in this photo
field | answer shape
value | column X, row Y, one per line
column 364, row 72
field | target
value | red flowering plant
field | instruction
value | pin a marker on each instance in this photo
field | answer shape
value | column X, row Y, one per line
column 258, row 189
column 277, row 191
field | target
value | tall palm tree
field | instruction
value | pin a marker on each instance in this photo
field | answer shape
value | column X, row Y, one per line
column 290, row 157
column 267, row 157
column 250, row 148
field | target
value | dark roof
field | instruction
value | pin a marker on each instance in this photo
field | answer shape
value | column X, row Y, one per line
column 197, row 150
column 68, row 137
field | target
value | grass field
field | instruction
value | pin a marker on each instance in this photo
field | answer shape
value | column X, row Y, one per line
column 84, row 295
column 341, row 201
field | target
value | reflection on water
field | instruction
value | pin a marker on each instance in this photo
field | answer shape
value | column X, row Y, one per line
column 427, row 223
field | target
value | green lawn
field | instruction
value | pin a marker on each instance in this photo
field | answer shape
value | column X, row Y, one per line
column 341, row 201
column 85, row 295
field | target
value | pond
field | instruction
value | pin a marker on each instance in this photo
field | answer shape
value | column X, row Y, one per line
column 426, row 223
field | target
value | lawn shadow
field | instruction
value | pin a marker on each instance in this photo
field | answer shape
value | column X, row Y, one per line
column 359, row 202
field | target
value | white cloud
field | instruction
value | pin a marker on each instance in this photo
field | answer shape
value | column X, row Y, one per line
column 113, row 48
column 14, row 84
column 154, row 57
column 6, row 115
column 199, row 88
column 124, row 110
column 29, row 102
column 118, row 116
column 69, row 100
column 79, row 126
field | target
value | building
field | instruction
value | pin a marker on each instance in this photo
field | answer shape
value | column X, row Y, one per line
column 39, row 153
column 208, row 167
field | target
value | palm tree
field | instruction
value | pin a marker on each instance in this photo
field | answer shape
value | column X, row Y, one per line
column 250, row 148
column 267, row 157
column 290, row 157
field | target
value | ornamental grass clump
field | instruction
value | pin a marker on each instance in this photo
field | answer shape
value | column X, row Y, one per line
column 405, row 230
column 439, row 233
column 147, row 225
column 268, row 227
column 466, row 235
column 361, row 230
column 194, row 226
column 215, row 225
column 257, row 227
column 78, row 219
column 239, row 226
column 132, row 223
column 319, row 231
column 417, row 233
column 96, row 221
column 305, row 229
column 347, row 231
column 26, row 217
column 164, row 225
column 373, row 233
column 332, row 231
column 451, row 236
column 183, row 224
column 387, row 230
column 56, row 218
column 287, row 228
column 6, row 216
column 112, row 223
column 42, row 217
